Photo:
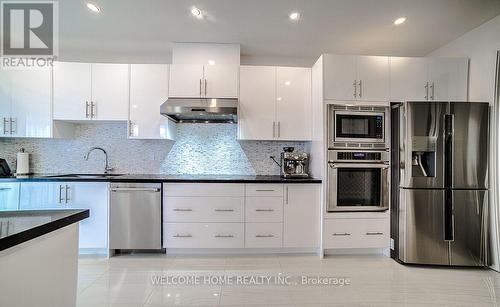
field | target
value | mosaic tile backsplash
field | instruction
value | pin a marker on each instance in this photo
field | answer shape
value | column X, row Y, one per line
column 199, row 149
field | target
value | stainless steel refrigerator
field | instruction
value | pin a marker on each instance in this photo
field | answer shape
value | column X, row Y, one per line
column 439, row 184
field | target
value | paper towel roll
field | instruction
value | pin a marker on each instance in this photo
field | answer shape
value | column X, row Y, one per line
column 23, row 163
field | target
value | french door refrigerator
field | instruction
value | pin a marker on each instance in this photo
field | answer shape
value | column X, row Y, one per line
column 439, row 193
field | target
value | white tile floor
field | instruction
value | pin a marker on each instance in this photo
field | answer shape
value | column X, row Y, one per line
column 374, row 281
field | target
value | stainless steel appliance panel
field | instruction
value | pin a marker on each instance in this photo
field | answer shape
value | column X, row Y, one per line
column 470, row 145
column 423, row 149
column 421, row 235
column 470, row 238
column 135, row 216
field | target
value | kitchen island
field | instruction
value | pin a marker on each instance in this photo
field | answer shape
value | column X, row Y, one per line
column 39, row 256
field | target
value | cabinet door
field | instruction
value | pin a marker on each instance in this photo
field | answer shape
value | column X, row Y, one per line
column 5, row 103
column 31, row 103
column 449, row 79
column 293, row 103
column 148, row 90
column 339, row 77
column 408, row 79
column 257, row 111
column 92, row 196
column 9, row 196
column 373, row 78
column 221, row 81
column 42, row 196
column 186, row 80
column 110, row 91
column 301, row 218
column 72, row 90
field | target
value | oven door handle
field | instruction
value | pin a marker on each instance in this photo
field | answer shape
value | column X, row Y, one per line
column 360, row 165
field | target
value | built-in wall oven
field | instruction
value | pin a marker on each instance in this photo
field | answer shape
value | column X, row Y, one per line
column 357, row 127
column 358, row 180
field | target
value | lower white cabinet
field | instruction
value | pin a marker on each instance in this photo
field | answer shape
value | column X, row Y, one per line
column 9, row 196
column 263, row 235
column 356, row 233
column 204, row 235
column 201, row 209
column 72, row 195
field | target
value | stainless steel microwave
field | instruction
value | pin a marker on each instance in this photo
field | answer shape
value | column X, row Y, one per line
column 357, row 127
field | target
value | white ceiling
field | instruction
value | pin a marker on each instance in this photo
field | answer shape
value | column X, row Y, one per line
column 148, row 27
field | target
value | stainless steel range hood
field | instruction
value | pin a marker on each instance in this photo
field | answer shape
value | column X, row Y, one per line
column 201, row 110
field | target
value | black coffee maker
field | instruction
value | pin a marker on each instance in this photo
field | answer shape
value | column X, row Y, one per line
column 4, row 169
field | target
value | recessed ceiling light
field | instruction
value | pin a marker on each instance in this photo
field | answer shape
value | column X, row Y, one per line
column 294, row 16
column 287, row 83
column 211, row 62
column 399, row 21
column 196, row 12
column 93, row 7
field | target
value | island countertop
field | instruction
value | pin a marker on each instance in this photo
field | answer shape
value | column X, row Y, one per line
column 17, row 227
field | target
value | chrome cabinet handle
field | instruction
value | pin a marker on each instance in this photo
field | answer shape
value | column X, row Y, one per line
column 60, row 194
column 341, row 234
column 432, row 91
column 264, row 210
column 206, row 83
column 182, row 236
column 279, row 129
column 5, row 189
column 13, row 125
column 264, row 236
column 131, row 128
column 135, row 190
column 264, row 190
column 355, row 84
column 224, row 210
column 200, row 87
column 286, row 196
column 93, row 109
column 182, row 210
column 360, row 89
column 86, row 109
column 274, row 130
column 224, row 236
column 66, row 198
column 374, row 233
column 426, row 90
column 5, row 125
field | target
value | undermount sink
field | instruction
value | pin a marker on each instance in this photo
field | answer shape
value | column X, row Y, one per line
column 83, row 176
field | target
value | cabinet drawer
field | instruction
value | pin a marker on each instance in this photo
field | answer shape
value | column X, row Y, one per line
column 203, row 209
column 263, row 235
column 204, row 189
column 375, row 233
column 264, row 209
column 356, row 233
column 273, row 190
column 203, row 235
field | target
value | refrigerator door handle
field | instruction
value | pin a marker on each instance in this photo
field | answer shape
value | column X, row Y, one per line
column 449, row 120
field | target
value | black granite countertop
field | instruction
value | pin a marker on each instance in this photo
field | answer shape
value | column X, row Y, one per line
column 17, row 227
column 159, row 178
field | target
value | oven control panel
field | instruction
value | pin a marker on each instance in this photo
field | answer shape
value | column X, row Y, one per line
column 355, row 156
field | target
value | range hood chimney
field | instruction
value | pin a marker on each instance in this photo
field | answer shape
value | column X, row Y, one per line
column 200, row 108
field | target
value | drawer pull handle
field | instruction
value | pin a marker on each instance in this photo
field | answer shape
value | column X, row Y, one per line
column 374, row 233
column 224, row 210
column 264, row 210
column 341, row 234
column 183, row 210
column 224, row 236
column 264, row 236
column 182, row 236
column 264, row 190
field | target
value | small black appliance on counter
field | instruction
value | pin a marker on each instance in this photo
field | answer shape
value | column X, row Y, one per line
column 4, row 169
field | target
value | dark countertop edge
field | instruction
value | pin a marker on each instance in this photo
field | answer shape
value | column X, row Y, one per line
column 153, row 180
column 43, row 229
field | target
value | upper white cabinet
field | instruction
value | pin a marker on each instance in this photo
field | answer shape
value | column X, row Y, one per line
column 148, row 90
column 26, row 103
column 301, row 207
column 432, row 79
column 275, row 103
column 206, row 81
column 356, row 78
column 84, row 91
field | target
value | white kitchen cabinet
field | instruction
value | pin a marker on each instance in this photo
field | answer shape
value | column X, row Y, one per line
column 293, row 103
column 356, row 78
column 301, row 215
column 186, row 80
column 72, row 90
column 84, row 91
column 26, row 103
column 92, row 196
column 275, row 103
column 408, row 78
column 341, row 233
column 72, row 195
column 221, row 81
column 148, row 91
column 9, row 196
column 429, row 79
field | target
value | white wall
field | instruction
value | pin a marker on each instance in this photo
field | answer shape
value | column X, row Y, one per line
column 481, row 46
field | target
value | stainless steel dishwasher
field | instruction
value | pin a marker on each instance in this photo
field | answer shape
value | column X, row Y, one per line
column 135, row 216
